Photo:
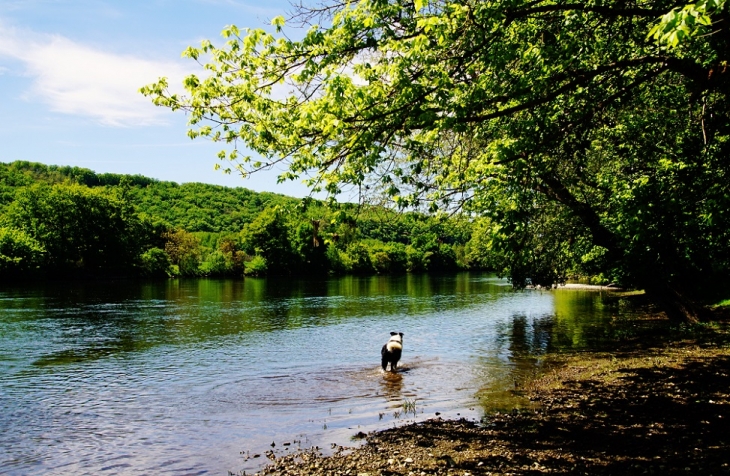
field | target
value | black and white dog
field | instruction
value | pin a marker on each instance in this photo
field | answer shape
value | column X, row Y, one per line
column 391, row 351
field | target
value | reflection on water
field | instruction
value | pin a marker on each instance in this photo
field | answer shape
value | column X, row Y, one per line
column 392, row 385
column 183, row 375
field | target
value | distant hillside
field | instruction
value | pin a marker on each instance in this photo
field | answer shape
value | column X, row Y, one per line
column 191, row 206
column 69, row 221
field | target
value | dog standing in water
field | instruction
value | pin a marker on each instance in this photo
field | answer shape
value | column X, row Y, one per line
column 391, row 351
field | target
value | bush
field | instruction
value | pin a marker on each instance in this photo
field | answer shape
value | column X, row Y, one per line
column 387, row 257
column 336, row 260
column 215, row 264
column 268, row 236
column 356, row 259
column 19, row 252
column 155, row 263
column 257, row 266
column 441, row 259
column 184, row 251
column 415, row 260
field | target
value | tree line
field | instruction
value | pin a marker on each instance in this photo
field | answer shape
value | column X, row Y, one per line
column 70, row 221
column 592, row 134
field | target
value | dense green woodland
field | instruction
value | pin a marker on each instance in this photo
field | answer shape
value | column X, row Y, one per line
column 68, row 221
column 587, row 134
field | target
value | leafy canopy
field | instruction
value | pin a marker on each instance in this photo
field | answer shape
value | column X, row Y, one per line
column 582, row 129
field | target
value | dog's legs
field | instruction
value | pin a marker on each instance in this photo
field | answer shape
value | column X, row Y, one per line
column 384, row 363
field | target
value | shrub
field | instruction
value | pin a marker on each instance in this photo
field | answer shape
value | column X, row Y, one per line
column 257, row 266
column 356, row 258
column 216, row 264
column 184, row 251
column 19, row 252
column 155, row 263
column 415, row 260
column 387, row 257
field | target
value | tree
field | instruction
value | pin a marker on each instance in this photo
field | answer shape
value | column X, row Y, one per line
column 267, row 236
column 79, row 228
column 184, row 251
column 19, row 253
column 603, row 123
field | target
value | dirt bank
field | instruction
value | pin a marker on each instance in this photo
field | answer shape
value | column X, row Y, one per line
column 662, row 409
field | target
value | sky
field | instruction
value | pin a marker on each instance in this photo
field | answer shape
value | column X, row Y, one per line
column 70, row 71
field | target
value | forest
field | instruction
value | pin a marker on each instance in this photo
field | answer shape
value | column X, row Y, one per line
column 592, row 134
column 540, row 139
column 69, row 221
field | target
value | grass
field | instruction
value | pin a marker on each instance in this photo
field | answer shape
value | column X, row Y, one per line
column 409, row 406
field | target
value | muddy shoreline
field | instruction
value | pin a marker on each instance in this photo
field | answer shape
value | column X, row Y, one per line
column 647, row 407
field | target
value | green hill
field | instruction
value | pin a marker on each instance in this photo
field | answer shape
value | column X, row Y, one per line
column 194, row 207
column 60, row 221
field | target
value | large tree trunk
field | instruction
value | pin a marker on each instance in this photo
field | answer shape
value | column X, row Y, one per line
column 678, row 306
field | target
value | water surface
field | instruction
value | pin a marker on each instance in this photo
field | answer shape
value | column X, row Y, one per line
column 197, row 376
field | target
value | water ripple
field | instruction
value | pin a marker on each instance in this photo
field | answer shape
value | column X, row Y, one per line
column 181, row 376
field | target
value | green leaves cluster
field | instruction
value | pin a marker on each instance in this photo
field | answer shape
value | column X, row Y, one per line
column 591, row 134
column 20, row 253
column 63, row 228
column 682, row 23
column 52, row 225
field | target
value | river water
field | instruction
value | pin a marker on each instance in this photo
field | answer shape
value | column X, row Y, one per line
column 199, row 376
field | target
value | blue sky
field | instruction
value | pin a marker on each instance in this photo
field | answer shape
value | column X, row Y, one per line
column 69, row 75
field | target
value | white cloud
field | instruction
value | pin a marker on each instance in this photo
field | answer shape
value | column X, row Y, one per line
column 73, row 78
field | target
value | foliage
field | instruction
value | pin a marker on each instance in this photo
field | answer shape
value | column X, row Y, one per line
column 387, row 258
column 593, row 134
column 23, row 173
column 311, row 247
column 78, row 227
column 287, row 237
column 692, row 19
column 257, row 266
column 19, row 253
column 268, row 236
column 356, row 259
column 183, row 250
column 201, row 207
column 155, row 263
column 233, row 254
column 215, row 264
column 195, row 207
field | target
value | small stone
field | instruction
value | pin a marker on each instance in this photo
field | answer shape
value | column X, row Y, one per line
column 409, row 460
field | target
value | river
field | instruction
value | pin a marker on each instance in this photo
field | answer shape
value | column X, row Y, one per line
column 200, row 376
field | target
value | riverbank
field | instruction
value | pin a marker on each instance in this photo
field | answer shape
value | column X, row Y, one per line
column 656, row 404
